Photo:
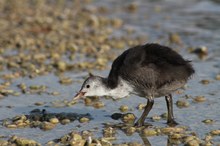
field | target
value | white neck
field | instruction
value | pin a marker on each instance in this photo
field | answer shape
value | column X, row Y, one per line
column 122, row 90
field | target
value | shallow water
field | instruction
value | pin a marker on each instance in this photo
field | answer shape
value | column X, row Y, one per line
column 197, row 23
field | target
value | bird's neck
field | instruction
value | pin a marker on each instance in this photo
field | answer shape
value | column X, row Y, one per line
column 121, row 90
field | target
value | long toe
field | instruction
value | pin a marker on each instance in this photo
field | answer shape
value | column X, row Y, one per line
column 172, row 123
column 141, row 124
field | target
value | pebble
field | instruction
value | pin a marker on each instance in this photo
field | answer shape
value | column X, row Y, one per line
column 11, row 126
column 130, row 130
column 199, row 99
column 208, row 121
column 182, row 103
column 215, row 132
column 132, row 7
column 123, row 108
column 192, row 141
column 66, row 81
column 205, row 82
column 156, row 118
column 24, row 142
column 177, row 136
column 168, row 130
column 141, row 106
column 109, row 132
column 84, row 120
column 65, row 121
column 128, row 118
column 47, row 126
column 149, row 132
column 217, row 77
column 201, row 51
column 54, row 120
column 98, row 104
column 39, row 103
column 175, row 38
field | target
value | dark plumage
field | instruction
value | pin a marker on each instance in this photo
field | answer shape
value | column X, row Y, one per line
column 148, row 71
column 150, row 66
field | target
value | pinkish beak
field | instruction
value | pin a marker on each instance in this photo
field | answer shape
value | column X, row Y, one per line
column 78, row 95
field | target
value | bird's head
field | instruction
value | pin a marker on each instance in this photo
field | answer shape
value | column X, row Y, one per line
column 92, row 86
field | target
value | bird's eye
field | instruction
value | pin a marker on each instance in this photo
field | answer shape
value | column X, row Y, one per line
column 87, row 86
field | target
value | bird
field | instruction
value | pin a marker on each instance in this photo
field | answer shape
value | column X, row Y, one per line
column 149, row 71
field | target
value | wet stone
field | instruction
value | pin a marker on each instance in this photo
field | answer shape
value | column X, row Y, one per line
column 98, row 104
column 84, row 120
column 217, row 77
column 130, row 130
column 109, row 132
column 123, row 108
column 66, row 81
column 208, row 121
column 116, row 116
column 23, row 141
column 128, row 118
column 156, row 118
column 47, row 126
column 167, row 130
column 43, row 119
column 215, row 132
column 199, row 99
column 149, row 132
column 205, row 82
column 182, row 103
column 141, row 106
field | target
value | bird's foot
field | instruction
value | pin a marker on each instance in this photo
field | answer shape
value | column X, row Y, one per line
column 142, row 124
column 172, row 123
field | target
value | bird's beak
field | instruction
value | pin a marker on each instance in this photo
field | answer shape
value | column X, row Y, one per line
column 78, row 95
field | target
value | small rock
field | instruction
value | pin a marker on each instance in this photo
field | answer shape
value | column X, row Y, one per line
column 130, row 130
column 149, row 132
column 124, row 108
column 47, row 126
column 205, row 82
column 141, row 106
column 84, row 120
column 156, row 118
column 39, row 103
column 201, row 52
column 116, row 116
column 182, row 103
column 217, row 77
column 128, row 118
column 215, row 132
column 98, row 104
column 208, row 121
column 199, row 99
column 65, row 121
column 54, row 120
column 66, row 81
column 26, row 142
column 168, row 130
column 11, row 126
column 109, row 132
column 175, row 38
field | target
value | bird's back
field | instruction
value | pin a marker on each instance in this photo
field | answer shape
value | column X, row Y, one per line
column 150, row 67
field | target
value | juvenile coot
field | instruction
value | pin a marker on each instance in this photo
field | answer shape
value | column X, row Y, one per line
column 148, row 71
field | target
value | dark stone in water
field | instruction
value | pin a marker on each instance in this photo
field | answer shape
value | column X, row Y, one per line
column 44, row 115
column 116, row 116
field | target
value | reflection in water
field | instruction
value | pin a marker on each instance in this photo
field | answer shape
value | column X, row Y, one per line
column 123, row 127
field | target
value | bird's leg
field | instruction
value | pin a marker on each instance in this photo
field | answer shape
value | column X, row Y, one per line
column 170, row 118
column 148, row 107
